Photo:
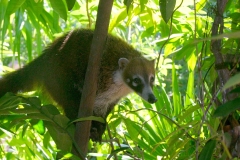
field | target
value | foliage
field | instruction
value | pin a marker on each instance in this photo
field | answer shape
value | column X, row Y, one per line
column 180, row 125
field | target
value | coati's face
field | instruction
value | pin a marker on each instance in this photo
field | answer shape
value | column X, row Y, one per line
column 139, row 75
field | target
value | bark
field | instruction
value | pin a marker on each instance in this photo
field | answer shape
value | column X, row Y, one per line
column 216, row 45
column 224, row 74
column 82, row 132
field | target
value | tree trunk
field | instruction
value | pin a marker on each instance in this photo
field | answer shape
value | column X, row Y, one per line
column 224, row 75
column 82, row 132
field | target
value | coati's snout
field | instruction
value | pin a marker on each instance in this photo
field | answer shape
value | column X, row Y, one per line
column 152, row 98
column 139, row 75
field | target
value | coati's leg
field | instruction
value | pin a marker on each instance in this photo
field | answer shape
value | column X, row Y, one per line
column 65, row 94
column 98, row 128
column 68, row 96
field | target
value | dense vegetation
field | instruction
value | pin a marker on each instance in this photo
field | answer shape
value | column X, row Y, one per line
column 196, row 47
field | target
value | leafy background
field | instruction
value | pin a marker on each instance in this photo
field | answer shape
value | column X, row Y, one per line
column 181, row 125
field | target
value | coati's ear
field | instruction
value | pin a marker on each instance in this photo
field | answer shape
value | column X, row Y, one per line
column 122, row 62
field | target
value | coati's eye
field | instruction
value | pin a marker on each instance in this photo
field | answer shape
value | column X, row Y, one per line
column 136, row 81
column 152, row 79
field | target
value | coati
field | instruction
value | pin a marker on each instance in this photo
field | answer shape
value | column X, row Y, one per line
column 61, row 70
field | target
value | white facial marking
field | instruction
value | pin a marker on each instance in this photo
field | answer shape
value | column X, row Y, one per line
column 134, row 84
column 147, row 89
column 116, row 91
column 139, row 78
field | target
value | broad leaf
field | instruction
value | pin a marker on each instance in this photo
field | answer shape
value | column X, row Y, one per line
column 60, row 7
column 39, row 127
column 59, row 133
column 200, row 4
column 227, row 108
column 232, row 81
column 166, row 8
column 9, row 101
column 128, row 3
column 207, row 150
column 90, row 118
column 13, row 6
column 70, row 4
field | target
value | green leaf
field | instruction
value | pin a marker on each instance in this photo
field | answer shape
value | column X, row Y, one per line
column 128, row 4
column 3, row 8
column 132, row 129
column 50, row 110
column 175, row 90
column 39, row 127
column 60, row 136
column 61, row 120
column 68, row 155
column 13, row 6
column 9, row 101
column 60, row 7
column 186, row 51
column 36, row 102
column 46, row 139
column 174, row 141
column 200, row 4
column 190, row 89
column 4, row 28
column 32, row 113
column 143, row 4
column 191, row 61
column 163, row 99
column 114, row 123
column 28, row 31
column 207, row 150
column 55, row 20
column 234, row 80
column 188, row 112
column 227, row 108
column 36, row 7
column 152, row 130
column 166, row 8
column 117, row 19
column 37, row 26
column 90, row 118
column 47, row 20
column 235, row 90
column 117, row 151
column 6, row 130
column 70, row 4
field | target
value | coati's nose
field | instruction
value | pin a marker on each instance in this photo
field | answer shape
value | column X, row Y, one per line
column 152, row 98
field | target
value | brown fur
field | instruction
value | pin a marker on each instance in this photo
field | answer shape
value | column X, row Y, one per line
column 61, row 70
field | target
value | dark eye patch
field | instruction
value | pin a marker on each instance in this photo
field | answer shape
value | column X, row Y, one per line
column 137, row 80
column 152, row 79
column 136, row 84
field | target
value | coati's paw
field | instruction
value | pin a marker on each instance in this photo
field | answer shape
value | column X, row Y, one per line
column 97, row 130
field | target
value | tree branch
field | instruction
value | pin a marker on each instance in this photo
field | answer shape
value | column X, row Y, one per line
column 82, row 132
